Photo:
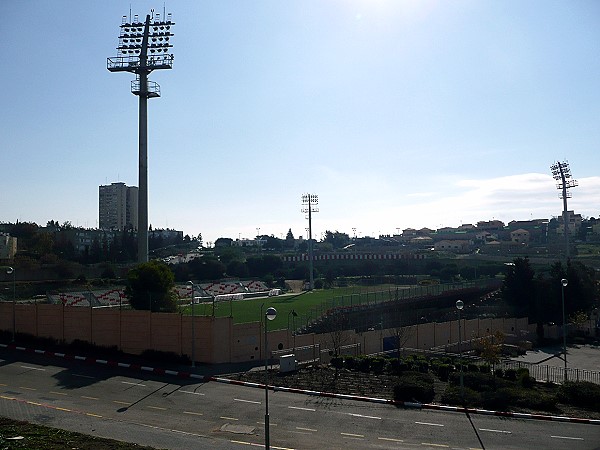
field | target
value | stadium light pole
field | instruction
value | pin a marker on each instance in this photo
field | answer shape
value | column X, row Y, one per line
column 143, row 47
column 562, row 174
column 563, row 284
column 270, row 314
column 308, row 202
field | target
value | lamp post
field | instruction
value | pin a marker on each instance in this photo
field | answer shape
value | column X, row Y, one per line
column 563, row 284
column 270, row 314
column 459, row 306
column 561, row 172
column 193, row 335
column 308, row 202
column 10, row 270
column 294, row 314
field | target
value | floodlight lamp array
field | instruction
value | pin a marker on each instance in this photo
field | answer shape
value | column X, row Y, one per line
column 313, row 199
column 131, row 37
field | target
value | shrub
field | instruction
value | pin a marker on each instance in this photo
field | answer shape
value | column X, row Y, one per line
column 498, row 373
column 414, row 386
column 496, row 400
column 452, row 396
column 474, row 380
column 350, row 362
column 535, row 400
column 443, row 371
column 581, row 393
column 510, row 374
column 485, row 368
column 363, row 364
column 378, row 365
column 472, row 367
column 337, row 362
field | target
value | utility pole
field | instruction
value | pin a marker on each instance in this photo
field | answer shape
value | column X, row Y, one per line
column 308, row 202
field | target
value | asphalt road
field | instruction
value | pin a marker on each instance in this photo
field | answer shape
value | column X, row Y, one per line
column 171, row 413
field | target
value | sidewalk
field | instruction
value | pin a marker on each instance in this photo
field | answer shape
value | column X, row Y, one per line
column 585, row 357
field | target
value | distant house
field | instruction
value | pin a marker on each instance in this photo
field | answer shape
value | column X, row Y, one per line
column 453, row 245
column 520, row 236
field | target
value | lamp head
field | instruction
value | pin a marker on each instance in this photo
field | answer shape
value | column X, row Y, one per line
column 459, row 304
column 564, row 282
column 9, row 270
column 271, row 313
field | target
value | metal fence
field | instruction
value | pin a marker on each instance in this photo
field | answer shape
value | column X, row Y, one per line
column 553, row 374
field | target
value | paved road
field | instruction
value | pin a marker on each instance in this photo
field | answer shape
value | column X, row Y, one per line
column 181, row 414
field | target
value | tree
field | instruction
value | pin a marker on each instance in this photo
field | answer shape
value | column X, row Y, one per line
column 490, row 348
column 518, row 288
column 290, row 242
column 150, row 287
column 336, row 239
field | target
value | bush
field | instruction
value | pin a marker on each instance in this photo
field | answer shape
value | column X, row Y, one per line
column 337, row 362
column 350, row 362
column 581, row 393
column 475, row 380
column 485, row 368
column 510, row 374
column 363, row 364
column 443, row 371
column 496, row 400
column 498, row 373
column 452, row 396
column 378, row 365
column 472, row 367
column 414, row 386
column 534, row 400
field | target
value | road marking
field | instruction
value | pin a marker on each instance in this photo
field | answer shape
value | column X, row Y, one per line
column 301, row 409
column 58, row 393
column 93, row 415
column 89, row 398
column 62, row 409
column 83, row 376
column 157, row 407
column 568, row 437
column 364, row 417
column 2, row 384
column 495, row 431
column 434, row 445
column 121, row 403
column 193, row 413
column 228, row 418
column 246, row 401
column 390, row 439
column 33, row 368
column 306, row 429
column 430, row 424
column 27, row 388
column 252, row 444
column 133, row 384
column 353, row 435
column 190, row 392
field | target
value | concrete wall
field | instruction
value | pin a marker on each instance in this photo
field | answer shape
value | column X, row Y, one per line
column 219, row 340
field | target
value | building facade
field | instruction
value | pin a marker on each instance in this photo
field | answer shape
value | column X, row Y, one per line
column 118, row 207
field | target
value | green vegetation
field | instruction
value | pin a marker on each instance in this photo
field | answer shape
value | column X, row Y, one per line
column 44, row 438
column 150, row 287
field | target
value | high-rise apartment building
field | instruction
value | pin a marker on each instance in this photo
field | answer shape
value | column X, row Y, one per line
column 118, row 207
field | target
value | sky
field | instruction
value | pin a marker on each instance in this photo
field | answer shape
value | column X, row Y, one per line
column 397, row 114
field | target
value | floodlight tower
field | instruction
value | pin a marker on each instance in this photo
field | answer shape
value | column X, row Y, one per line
column 308, row 206
column 143, row 47
column 562, row 174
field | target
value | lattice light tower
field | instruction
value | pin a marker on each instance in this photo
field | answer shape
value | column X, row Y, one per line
column 143, row 47
column 562, row 174
column 309, row 202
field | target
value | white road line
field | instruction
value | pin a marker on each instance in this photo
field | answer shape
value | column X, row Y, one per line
column 364, row 417
column 83, row 376
column 133, row 384
column 301, row 409
column 33, row 368
column 194, row 393
column 568, row 437
column 193, row 413
column 430, row 424
column 27, row 388
column 228, row 418
column 89, row 398
column 353, row 435
column 495, row 431
column 306, row 429
column 246, row 401
column 429, row 444
column 156, row 407
column 390, row 439
column 58, row 393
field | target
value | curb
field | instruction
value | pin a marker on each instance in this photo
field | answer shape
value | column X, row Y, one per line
column 205, row 378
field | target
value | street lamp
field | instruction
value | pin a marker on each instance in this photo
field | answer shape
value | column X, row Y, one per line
column 270, row 314
column 294, row 314
column 10, row 270
column 563, row 284
column 459, row 306
column 193, row 335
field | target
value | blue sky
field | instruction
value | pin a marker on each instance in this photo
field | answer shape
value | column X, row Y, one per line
column 396, row 113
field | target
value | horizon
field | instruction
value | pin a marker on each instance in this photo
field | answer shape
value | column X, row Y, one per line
column 396, row 114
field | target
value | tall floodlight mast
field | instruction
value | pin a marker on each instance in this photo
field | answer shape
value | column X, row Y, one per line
column 562, row 174
column 309, row 202
column 143, row 47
